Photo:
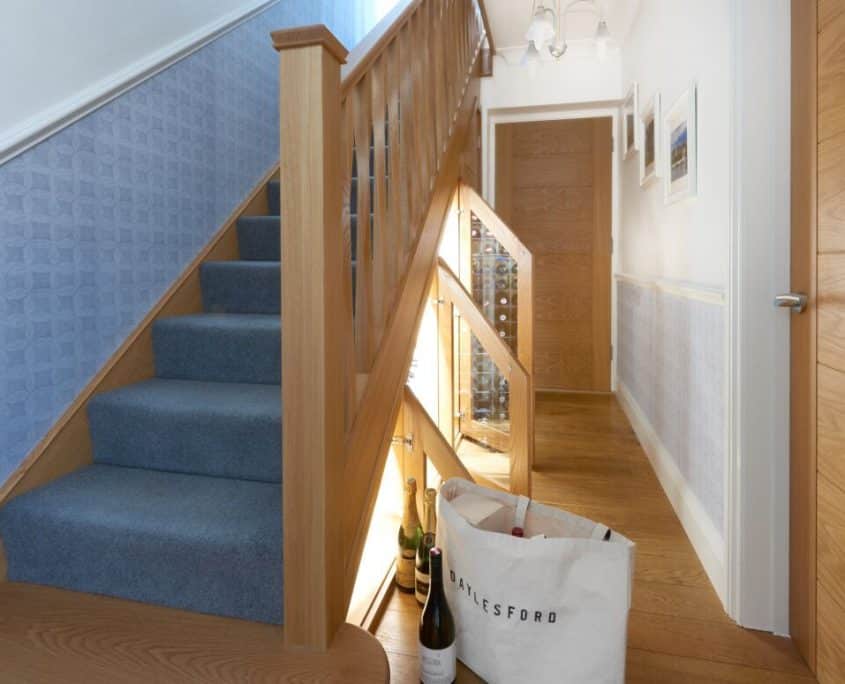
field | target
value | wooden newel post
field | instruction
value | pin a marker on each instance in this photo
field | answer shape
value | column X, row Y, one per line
column 312, row 333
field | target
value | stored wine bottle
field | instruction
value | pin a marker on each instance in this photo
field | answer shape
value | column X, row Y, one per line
column 437, row 630
column 426, row 544
column 410, row 534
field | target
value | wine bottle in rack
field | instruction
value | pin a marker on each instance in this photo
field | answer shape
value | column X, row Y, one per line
column 426, row 544
column 410, row 534
column 438, row 657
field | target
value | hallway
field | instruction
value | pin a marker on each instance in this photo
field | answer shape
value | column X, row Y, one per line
column 589, row 461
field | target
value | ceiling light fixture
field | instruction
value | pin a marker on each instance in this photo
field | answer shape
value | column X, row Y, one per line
column 544, row 30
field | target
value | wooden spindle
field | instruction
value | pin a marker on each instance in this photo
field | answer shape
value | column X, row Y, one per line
column 362, row 127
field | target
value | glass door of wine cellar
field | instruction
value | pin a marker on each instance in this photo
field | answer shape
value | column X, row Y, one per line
column 490, row 273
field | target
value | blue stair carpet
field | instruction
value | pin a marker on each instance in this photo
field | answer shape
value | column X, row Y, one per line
column 209, row 544
column 182, row 506
column 191, row 427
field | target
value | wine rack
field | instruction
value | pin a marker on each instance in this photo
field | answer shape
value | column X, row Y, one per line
column 494, row 288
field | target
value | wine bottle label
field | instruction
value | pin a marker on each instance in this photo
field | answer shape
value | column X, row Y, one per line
column 405, row 568
column 438, row 666
column 422, row 585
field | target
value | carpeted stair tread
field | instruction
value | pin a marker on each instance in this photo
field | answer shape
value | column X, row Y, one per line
column 259, row 238
column 241, row 286
column 242, row 348
column 206, row 428
column 208, row 544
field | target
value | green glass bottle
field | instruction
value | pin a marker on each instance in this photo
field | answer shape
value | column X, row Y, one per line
column 426, row 544
column 438, row 657
column 410, row 534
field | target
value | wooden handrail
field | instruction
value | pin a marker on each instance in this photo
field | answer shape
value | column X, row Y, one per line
column 434, row 444
column 519, row 379
column 363, row 56
column 485, row 18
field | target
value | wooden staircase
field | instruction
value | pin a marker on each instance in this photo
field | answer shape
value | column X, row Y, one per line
column 344, row 362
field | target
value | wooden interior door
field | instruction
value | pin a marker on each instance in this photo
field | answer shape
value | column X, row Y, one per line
column 553, row 188
column 817, row 554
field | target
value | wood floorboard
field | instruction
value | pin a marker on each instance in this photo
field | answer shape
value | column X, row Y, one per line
column 588, row 461
column 51, row 636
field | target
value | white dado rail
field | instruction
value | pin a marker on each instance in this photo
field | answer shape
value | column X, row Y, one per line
column 679, row 288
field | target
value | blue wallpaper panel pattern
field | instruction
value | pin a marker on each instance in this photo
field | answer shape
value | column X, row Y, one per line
column 672, row 360
column 97, row 221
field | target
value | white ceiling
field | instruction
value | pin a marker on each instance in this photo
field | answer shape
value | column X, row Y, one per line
column 509, row 19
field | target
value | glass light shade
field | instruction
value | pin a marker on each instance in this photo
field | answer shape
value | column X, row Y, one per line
column 531, row 56
column 541, row 30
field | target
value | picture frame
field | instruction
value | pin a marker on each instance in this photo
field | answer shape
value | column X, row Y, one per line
column 651, row 138
column 680, row 145
column 630, row 112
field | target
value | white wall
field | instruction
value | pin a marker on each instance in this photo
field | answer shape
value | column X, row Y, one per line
column 59, row 56
column 671, row 43
column 60, row 49
column 578, row 77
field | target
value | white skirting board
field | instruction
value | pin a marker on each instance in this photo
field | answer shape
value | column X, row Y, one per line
column 706, row 539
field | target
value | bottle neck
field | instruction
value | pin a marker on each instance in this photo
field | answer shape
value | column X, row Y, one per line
column 430, row 522
column 436, row 572
column 410, row 518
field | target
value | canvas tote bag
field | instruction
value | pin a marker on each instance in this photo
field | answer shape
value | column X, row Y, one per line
column 533, row 610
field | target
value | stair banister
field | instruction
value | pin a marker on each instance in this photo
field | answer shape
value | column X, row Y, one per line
column 410, row 97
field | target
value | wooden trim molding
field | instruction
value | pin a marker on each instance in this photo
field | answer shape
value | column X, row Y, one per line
column 67, row 446
column 699, row 293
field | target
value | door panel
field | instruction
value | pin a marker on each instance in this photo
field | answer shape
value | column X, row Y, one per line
column 553, row 187
column 830, row 529
column 817, row 472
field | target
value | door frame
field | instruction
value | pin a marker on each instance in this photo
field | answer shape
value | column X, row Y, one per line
column 492, row 117
column 757, row 462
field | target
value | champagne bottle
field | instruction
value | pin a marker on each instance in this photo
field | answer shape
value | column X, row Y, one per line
column 410, row 533
column 426, row 544
column 437, row 630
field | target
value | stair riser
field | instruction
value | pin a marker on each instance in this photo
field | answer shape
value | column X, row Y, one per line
column 247, row 356
column 259, row 238
column 241, row 287
column 202, row 443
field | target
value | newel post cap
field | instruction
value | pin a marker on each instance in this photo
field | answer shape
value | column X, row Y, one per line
column 306, row 36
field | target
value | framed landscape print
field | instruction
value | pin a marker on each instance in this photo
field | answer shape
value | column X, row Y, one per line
column 651, row 141
column 680, row 146
column 630, row 112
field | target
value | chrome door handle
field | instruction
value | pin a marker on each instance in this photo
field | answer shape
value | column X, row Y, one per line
column 793, row 300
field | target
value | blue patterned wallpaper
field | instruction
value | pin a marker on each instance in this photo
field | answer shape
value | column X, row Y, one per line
column 672, row 361
column 97, row 221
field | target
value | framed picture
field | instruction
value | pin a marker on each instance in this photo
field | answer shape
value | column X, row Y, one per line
column 630, row 112
column 680, row 145
column 651, row 141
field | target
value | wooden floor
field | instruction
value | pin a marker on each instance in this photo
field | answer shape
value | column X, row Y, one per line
column 50, row 636
column 588, row 461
